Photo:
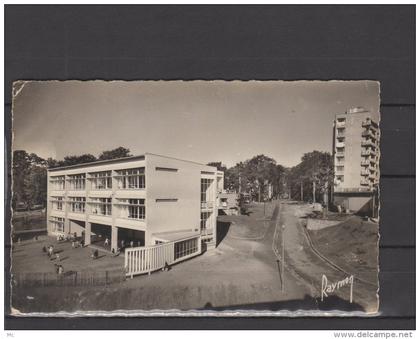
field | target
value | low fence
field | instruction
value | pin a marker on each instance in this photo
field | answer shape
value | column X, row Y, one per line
column 70, row 278
column 147, row 259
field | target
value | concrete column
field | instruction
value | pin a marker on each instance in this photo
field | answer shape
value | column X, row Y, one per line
column 114, row 213
column 67, row 226
column 87, row 232
column 215, row 212
column 114, row 238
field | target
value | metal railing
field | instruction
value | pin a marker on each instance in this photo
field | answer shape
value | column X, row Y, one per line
column 368, row 143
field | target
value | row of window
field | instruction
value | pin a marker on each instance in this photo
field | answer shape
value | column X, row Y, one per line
column 186, row 247
column 126, row 179
column 128, row 208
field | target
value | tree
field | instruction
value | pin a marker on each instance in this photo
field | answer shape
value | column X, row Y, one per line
column 119, row 152
column 312, row 177
column 260, row 176
column 259, row 172
column 77, row 159
column 20, row 170
column 37, row 184
column 51, row 163
column 278, row 178
column 29, row 172
column 234, row 178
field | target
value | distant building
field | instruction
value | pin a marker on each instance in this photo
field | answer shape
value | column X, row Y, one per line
column 356, row 160
column 228, row 203
column 142, row 200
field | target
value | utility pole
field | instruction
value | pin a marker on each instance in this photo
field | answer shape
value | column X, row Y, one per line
column 313, row 191
column 282, row 257
column 326, row 195
column 301, row 191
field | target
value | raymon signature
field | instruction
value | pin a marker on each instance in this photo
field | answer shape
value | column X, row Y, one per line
column 330, row 287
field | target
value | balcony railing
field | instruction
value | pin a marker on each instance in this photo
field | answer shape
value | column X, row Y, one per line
column 372, row 175
column 368, row 143
column 364, row 182
column 369, row 123
column 368, row 152
column 339, row 154
column 366, row 123
column 368, row 133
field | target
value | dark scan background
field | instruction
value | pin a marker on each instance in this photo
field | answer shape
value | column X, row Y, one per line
column 241, row 42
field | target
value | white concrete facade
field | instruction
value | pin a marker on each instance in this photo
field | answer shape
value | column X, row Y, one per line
column 356, row 151
column 356, row 159
column 146, row 199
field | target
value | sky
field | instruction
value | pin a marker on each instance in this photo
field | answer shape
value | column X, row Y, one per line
column 203, row 121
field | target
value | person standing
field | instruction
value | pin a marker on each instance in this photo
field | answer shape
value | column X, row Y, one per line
column 50, row 251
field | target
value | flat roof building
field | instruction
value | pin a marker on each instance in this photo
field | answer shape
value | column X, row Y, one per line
column 135, row 201
column 356, row 158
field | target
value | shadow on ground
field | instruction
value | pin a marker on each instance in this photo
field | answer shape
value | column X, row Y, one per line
column 308, row 303
column 222, row 231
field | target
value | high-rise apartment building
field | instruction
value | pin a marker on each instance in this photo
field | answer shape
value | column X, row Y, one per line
column 356, row 160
